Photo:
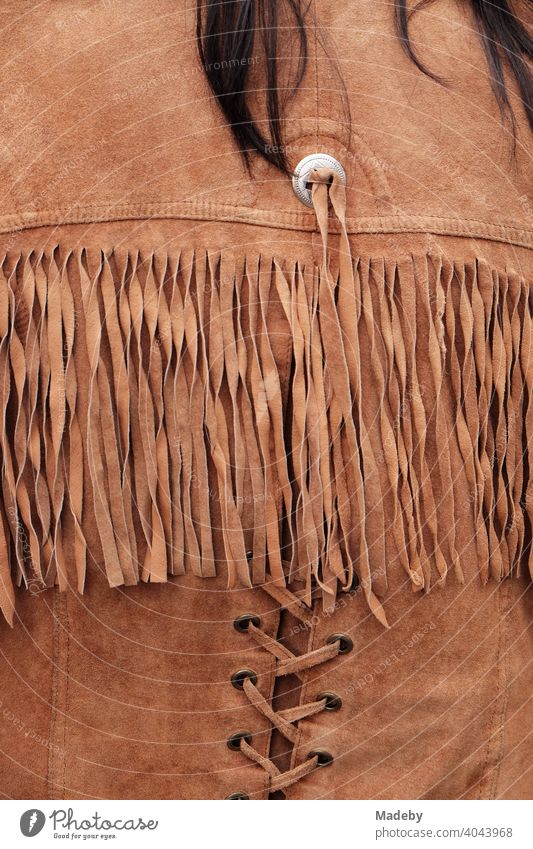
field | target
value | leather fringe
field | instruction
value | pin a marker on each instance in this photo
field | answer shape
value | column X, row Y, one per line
column 141, row 395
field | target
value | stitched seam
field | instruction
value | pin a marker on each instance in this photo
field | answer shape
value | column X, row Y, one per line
column 52, row 750
column 506, row 668
column 57, row 769
column 374, row 225
column 484, row 789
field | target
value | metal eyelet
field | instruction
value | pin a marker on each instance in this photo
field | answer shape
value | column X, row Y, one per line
column 345, row 642
column 238, row 795
column 249, row 555
column 324, row 758
column 242, row 623
column 333, row 702
column 234, row 742
column 238, row 678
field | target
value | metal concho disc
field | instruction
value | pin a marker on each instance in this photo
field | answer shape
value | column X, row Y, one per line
column 308, row 164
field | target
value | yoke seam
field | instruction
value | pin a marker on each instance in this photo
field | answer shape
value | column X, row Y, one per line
column 276, row 219
column 506, row 663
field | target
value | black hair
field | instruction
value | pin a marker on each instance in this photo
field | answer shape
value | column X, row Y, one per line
column 228, row 32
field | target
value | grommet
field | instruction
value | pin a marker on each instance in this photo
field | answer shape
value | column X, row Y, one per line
column 238, row 795
column 238, row 678
column 277, row 794
column 345, row 642
column 303, row 169
column 234, row 742
column 249, row 555
column 333, row 702
column 242, row 622
column 324, row 758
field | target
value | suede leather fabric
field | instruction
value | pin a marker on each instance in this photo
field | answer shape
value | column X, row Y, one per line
column 126, row 693
column 107, row 108
column 176, row 374
column 130, row 692
column 434, row 708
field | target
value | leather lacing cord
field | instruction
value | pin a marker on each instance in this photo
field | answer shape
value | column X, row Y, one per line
column 327, row 188
column 287, row 664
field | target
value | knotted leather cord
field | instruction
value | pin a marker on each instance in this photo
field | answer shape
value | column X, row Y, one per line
column 288, row 664
column 340, row 307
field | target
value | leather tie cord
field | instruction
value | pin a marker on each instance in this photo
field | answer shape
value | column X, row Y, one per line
column 287, row 664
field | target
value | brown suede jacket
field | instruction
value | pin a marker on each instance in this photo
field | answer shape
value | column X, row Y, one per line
column 195, row 366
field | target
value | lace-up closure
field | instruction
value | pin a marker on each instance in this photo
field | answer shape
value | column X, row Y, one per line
column 287, row 664
column 324, row 185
